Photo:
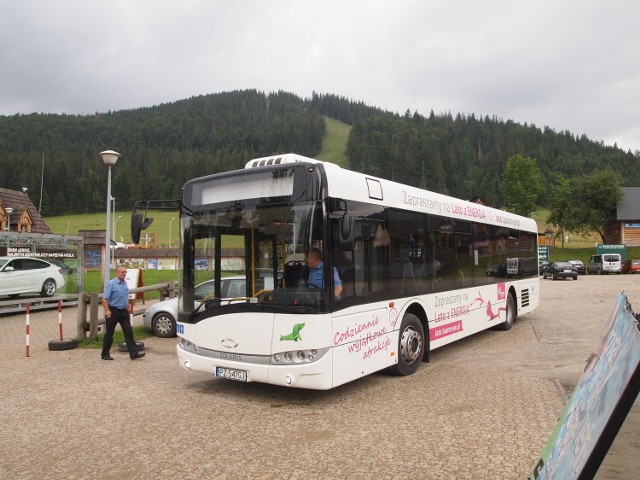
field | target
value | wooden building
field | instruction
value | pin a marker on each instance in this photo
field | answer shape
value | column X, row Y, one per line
column 19, row 214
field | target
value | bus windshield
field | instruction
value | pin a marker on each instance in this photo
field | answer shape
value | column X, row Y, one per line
column 249, row 256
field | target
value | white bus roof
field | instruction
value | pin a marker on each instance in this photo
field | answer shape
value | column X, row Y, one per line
column 284, row 159
column 350, row 185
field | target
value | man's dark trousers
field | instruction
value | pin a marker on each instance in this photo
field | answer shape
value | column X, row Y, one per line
column 121, row 316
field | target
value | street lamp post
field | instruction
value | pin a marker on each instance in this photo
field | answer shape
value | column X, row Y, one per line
column 172, row 219
column 109, row 158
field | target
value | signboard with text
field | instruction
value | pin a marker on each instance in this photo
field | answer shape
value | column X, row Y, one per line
column 599, row 403
column 543, row 252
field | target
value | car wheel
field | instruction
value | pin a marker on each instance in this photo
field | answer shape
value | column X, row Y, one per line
column 576, row 277
column 411, row 346
column 48, row 287
column 163, row 325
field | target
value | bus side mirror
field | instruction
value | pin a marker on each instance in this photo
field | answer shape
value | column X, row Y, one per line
column 345, row 233
column 137, row 225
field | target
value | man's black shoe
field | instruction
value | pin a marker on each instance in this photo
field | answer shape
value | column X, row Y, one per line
column 107, row 357
column 137, row 355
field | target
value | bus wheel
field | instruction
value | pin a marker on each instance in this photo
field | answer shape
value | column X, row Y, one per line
column 511, row 313
column 410, row 346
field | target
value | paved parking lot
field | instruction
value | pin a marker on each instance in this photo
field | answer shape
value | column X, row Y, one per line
column 482, row 408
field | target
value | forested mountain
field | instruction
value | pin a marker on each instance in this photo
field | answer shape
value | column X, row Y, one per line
column 165, row 145
column 465, row 156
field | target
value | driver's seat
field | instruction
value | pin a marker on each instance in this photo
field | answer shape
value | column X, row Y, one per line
column 294, row 272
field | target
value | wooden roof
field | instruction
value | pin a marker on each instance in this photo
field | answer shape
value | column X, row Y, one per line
column 94, row 237
column 23, row 210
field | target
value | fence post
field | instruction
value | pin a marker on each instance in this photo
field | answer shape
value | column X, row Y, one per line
column 81, row 320
column 93, row 315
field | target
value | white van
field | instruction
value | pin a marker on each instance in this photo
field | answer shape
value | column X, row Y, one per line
column 605, row 263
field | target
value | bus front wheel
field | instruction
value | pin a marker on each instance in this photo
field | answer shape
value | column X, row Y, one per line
column 411, row 346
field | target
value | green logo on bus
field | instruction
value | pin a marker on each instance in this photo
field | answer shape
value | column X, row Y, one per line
column 295, row 334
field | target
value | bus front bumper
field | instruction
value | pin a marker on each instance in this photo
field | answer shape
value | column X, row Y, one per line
column 316, row 375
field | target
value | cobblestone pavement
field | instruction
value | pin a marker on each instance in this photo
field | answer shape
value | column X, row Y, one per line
column 482, row 408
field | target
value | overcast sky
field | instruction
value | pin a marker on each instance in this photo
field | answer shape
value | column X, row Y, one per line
column 568, row 64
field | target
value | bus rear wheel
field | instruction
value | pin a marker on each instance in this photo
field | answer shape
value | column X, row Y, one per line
column 510, row 313
column 411, row 346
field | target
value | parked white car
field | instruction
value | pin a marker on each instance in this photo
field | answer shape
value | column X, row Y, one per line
column 160, row 317
column 29, row 275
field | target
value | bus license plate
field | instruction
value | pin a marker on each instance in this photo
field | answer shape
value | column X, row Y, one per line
column 231, row 374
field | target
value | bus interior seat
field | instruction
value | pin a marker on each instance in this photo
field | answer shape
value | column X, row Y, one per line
column 294, row 273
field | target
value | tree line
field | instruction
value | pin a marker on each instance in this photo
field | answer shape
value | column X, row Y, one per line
column 165, row 145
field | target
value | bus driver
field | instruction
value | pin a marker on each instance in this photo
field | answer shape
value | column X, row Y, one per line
column 316, row 270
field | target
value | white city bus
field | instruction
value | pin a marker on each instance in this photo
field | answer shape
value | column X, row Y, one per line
column 418, row 270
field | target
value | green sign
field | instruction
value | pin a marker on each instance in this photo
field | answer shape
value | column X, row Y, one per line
column 621, row 249
column 543, row 252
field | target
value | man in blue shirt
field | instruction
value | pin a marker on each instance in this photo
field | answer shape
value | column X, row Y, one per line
column 316, row 272
column 115, row 302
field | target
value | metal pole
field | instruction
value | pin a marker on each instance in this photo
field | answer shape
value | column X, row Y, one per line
column 107, row 253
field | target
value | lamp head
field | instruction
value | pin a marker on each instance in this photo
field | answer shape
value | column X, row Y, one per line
column 109, row 157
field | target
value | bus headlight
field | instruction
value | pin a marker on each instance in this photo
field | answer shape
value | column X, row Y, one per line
column 188, row 346
column 298, row 356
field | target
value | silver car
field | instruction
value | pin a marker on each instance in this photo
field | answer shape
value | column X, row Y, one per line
column 160, row 317
column 29, row 275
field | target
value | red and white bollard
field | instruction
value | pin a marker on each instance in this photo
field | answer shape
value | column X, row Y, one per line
column 27, row 332
column 60, row 318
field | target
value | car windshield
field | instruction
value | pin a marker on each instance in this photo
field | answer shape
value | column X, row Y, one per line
column 563, row 265
column 611, row 258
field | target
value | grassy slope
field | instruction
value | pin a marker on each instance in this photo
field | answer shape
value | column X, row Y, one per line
column 334, row 146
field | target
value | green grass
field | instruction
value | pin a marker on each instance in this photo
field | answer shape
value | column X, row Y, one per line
column 334, row 146
column 139, row 333
column 161, row 227
column 576, row 241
